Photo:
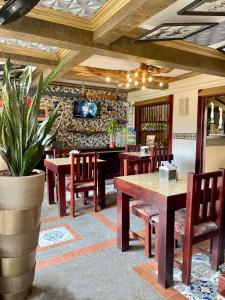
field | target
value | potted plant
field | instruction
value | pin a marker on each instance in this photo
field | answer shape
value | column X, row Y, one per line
column 112, row 129
column 22, row 144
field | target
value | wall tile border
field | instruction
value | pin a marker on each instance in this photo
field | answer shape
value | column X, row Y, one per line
column 184, row 136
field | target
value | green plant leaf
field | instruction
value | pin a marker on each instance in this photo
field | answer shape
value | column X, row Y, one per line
column 22, row 139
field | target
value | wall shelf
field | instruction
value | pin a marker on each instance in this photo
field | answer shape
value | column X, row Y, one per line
column 86, row 132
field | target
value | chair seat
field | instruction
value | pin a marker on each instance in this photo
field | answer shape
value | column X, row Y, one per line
column 142, row 208
column 180, row 224
column 79, row 186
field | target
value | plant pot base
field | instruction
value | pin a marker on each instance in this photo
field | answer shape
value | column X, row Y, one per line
column 20, row 208
column 18, row 296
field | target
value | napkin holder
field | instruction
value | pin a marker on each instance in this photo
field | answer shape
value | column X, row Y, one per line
column 74, row 152
column 168, row 171
column 144, row 150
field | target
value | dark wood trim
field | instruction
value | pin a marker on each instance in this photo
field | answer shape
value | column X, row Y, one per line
column 137, row 125
column 170, row 124
column 201, row 129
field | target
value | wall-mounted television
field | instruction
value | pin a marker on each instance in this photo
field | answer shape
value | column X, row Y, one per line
column 86, row 109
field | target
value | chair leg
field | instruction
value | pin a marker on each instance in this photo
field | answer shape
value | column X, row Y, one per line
column 148, row 238
column 156, row 242
column 72, row 206
column 95, row 201
column 216, row 253
column 187, row 259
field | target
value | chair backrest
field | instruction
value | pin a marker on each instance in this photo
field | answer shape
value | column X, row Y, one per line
column 83, row 167
column 61, row 152
column 159, row 154
column 139, row 166
column 132, row 148
column 205, row 198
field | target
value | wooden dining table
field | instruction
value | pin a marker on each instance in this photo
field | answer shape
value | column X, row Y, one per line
column 61, row 167
column 125, row 157
column 167, row 196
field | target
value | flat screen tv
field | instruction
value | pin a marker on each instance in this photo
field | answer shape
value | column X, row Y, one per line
column 86, row 109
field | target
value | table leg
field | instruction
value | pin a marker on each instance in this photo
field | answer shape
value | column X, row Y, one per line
column 121, row 167
column 123, row 221
column 101, row 187
column 50, row 185
column 125, row 167
column 166, row 248
column 62, row 194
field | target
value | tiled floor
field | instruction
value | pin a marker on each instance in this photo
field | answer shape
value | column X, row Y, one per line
column 78, row 259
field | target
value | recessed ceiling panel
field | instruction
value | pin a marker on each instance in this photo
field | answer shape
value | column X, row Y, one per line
column 209, row 37
column 110, row 63
column 82, row 8
column 24, row 44
column 205, row 7
column 172, row 31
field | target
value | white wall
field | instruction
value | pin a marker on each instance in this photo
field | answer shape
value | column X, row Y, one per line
column 184, row 149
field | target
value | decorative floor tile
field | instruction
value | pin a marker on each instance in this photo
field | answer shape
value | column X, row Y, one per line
column 57, row 235
column 204, row 281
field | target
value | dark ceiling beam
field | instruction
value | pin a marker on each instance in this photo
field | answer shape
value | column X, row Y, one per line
column 132, row 14
column 175, row 54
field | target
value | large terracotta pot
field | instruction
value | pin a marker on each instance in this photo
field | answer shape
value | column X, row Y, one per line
column 20, row 209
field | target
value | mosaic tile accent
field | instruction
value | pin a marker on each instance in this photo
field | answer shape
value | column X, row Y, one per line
column 184, row 136
column 82, row 8
column 55, row 236
column 68, row 134
column 24, row 44
column 204, row 281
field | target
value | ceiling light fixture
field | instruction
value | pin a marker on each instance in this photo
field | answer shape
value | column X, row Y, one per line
column 143, row 87
column 127, row 85
column 150, row 79
column 130, row 79
column 108, row 79
column 136, row 82
column 161, row 84
column 136, row 74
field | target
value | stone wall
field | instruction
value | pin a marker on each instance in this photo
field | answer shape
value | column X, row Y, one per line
column 71, row 132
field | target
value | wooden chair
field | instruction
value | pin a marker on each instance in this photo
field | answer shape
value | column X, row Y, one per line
column 221, row 287
column 202, row 219
column 61, row 153
column 83, row 177
column 159, row 154
column 139, row 207
column 132, row 148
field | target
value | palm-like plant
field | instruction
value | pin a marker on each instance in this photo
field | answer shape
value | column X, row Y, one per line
column 22, row 139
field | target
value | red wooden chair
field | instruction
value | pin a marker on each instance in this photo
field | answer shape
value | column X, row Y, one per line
column 159, row 154
column 139, row 207
column 202, row 219
column 83, row 177
column 132, row 148
column 61, row 153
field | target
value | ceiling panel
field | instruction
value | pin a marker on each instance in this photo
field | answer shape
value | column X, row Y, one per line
column 82, row 8
column 24, row 44
column 110, row 63
column 170, row 15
